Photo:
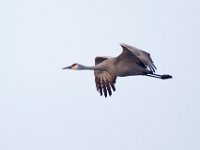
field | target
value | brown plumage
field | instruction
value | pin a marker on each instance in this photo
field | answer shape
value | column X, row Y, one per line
column 132, row 61
column 105, row 82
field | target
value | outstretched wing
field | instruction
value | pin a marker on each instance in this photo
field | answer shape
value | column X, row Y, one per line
column 144, row 57
column 105, row 82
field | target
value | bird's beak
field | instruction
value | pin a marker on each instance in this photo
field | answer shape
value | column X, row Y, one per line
column 69, row 67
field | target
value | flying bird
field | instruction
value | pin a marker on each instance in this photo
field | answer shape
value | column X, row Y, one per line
column 132, row 61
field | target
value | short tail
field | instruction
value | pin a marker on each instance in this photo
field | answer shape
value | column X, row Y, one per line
column 164, row 76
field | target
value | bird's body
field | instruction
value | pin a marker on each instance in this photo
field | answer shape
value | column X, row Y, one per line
column 132, row 61
column 120, row 68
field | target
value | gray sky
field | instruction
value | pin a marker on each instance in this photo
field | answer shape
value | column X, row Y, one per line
column 45, row 108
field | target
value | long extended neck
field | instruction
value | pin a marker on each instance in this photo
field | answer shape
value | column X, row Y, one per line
column 96, row 67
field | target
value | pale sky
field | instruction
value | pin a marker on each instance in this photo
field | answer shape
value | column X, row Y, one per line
column 43, row 107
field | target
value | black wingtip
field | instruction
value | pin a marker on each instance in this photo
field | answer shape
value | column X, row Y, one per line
column 166, row 76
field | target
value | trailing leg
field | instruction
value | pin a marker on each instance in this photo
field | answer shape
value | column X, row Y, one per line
column 164, row 76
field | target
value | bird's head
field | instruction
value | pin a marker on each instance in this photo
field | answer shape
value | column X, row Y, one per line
column 74, row 66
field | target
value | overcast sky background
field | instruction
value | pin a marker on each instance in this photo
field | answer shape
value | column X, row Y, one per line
column 45, row 108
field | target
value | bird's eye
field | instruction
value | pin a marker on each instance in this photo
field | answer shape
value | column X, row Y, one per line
column 74, row 66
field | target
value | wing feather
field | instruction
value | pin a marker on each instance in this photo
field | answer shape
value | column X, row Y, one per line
column 143, row 56
column 104, row 80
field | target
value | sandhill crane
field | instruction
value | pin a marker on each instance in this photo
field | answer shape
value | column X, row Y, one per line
column 132, row 61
